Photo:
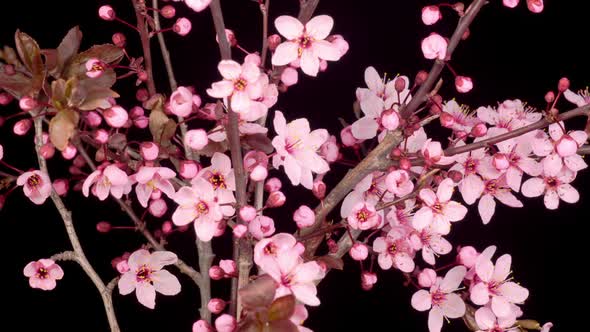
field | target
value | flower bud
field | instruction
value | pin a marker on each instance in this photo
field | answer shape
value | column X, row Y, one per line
column 319, row 189
column 421, row 77
column 479, row 130
column 106, row 13
column 202, row 326
column 359, row 252
column 347, row 137
column 549, row 97
column 500, row 161
column 181, row 102
column 61, row 186
column 275, row 199
column 431, row 15
column 216, row 305
column 289, row 76
column 27, row 103
column 22, row 127
column 434, row 47
column 225, row 323
column 247, row 213
column 47, row 151
column 259, row 173
column 272, row 185
column 157, row 207
column 103, row 227
column 261, row 227
column 426, row 278
column 101, row 136
column 467, row 256
column 304, row 216
column 119, row 39
column 273, row 41
column 189, row 169
column 149, row 151
column 332, row 246
column 182, row 26
column 167, row 227
column 563, row 84
column 116, row 116
column 93, row 119
column 216, row 273
column 168, row 11
column 228, row 266
column 399, row 84
column 239, row 231
column 390, row 119
column 5, row 98
column 463, row 84
column 196, row 139
column 142, row 95
column 535, row 6
column 405, row 164
column 368, row 280
column 69, row 152
column 566, row 146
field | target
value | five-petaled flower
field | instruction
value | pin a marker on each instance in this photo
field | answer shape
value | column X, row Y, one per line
column 43, row 274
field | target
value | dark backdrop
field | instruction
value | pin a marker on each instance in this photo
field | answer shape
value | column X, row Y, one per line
column 510, row 54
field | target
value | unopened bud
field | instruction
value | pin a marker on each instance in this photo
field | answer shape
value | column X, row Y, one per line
column 216, row 305
column 405, row 164
column 103, row 227
column 359, row 252
column 319, row 189
column 400, row 84
column 276, row 199
column 549, row 97
column 273, row 41
column 106, row 13
column 216, row 273
column 168, row 11
column 479, row 130
column 272, row 185
column 421, row 77
column 563, row 84
column 119, row 39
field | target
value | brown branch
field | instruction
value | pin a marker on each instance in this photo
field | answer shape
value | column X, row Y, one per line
column 164, row 48
column 306, row 9
column 140, row 12
column 242, row 251
column 264, row 10
column 66, row 216
column 584, row 149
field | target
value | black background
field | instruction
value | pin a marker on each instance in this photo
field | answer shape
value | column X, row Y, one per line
column 510, row 54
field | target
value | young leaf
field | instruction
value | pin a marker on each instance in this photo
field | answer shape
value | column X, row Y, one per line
column 258, row 293
column 69, row 46
column 332, row 262
column 30, row 54
column 62, row 127
column 282, row 308
column 17, row 85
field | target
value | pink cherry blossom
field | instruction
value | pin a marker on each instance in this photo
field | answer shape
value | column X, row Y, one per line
column 36, row 186
column 434, row 47
column 495, row 189
column 517, row 152
column 472, row 165
column 110, row 179
column 296, row 148
column 150, row 180
column 181, row 101
column 304, row 216
column 197, row 5
column 580, row 99
column 372, row 189
column 488, row 322
column 267, row 251
column 261, row 227
column 438, row 210
column 557, row 153
column 399, row 183
column 395, row 250
column 431, row 15
column 494, row 286
column 94, row 68
column 431, row 243
column 441, row 299
column 197, row 203
column 554, row 187
column 221, row 177
column 43, row 273
column 364, row 216
column 147, row 277
column 305, row 43
column 239, row 84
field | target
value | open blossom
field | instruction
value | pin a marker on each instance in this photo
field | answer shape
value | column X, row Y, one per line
column 221, row 177
column 147, row 277
column 297, row 150
column 110, row 179
column 431, row 244
column 559, row 149
column 364, row 216
column 197, row 203
column 434, row 47
column 495, row 189
column 181, row 101
column 554, row 187
column 493, row 285
column 488, row 322
column 580, row 99
column 438, row 210
column 239, row 84
column 517, row 153
column 36, row 186
column 152, row 180
column 305, row 43
column 394, row 250
column 43, row 273
column 268, row 250
column 441, row 299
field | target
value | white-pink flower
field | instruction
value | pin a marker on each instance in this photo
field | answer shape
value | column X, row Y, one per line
column 110, row 179
column 554, row 187
column 494, row 285
column 146, row 276
column 181, row 101
column 197, row 5
column 36, row 186
column 440, row 300
column 297, row 150
column 43, row 273
column 221, row 177
column 438, row 209
column 152, row 180
column 305, row 43
column 364, row 216
column 434, row 47
column 495, row 189
column 488, row 322
column 395, row 250
column 198, row 204
column 239, row 84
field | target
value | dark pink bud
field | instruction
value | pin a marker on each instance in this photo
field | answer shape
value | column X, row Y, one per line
column 368, row 280
column 549, row 97
column 427, row 278
column 167, row 227
column 149, row 151
column 421, row 77
column 272, row 185
column 247, row 213
column 563, row 84
column 304, row 216
column 168, row 11
column 142, row 95
column 479, row 130
column 405, row 164
column 400, row 84
column 47, row 151
column 202, row 326
column 9, row 70
column 216, row 273
column 27, row 103
column 69, row 152
column 119, row 39
column 359, row 252
column 182, row 26
column 21, row 127
column 332, row 246
column 103, row 227
column 467, row 256
column 273, row 41
column 116, row 116
column 225, row 323
column 107, row 13
column 275, row 199
column 319, row 189
column 216, row 305
column 463, row 84
column 61, row 186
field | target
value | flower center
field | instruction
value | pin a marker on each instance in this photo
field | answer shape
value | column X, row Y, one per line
column 97, row 67
column 438, row 297
column 363, row 215
column 202, row 208
column 470, row 166
column 392, row 249
column 304, row 41
column 270, row 249
column 217, row 180
column 143, row 274
column 34, row 181
column 491, row 187
column 437, row 207
column 551, row 182
column 240, row 84
column 42, row 273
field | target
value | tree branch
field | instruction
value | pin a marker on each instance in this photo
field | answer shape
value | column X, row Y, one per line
column 306, row 9
column 66, row 216
column 140, row 10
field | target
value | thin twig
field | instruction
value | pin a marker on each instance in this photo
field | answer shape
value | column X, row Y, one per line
column 264, row 10
column 140, row 10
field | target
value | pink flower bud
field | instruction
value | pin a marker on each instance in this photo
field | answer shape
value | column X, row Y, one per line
column 168, row 11
column 5, row 98
column 106, row 13
column 69, row 152
column 368, row 280
column 136, row 111
column 434, row 47
column 262, row 226
column 421, row 76
column 239, row 231
column 347, row 137
column 332, row 246
column 463, row 84
column 167, row 227
column 319, row 189
column 216, row 273
column 27, row 103
column 119, row 39
column 566, row 146
column 273, row 41
column 231, row 38
column 228, row 266
column 275, row 199
column 456, row 176
column 61, row 186
column 216, row 305
column 103, row 227
column 189, row 169
column 289, row 76
column 182, row 26
column 535, row 6
column 225, row 323
column 359, row 252
column 304, row 216
column 330, row 150
column 93, row 119
column 467, row 256
column 405, row 164
column 101, row 136
column 549, row 97
column 9, row 70
column 390, row 119
column 432, row 151
column 202, row 326
column 149, row 151
column 142, row 95
column 272, row 185
column 426, row 278
column 510, row 3
column 500, row 161
column 95, row 68
column 47, row 151
column 479, row 130
column 116, row 116
column 196, row 139
column 181, row 102
column 563, row 84
column 323, row 65
column 247, row 213
column 197, row 5
column 259, row 173
column 158, row 207
column 431, row 15
column 22, row 127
